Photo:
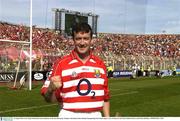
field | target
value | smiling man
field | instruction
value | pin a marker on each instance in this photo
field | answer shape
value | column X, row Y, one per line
column 79, row 81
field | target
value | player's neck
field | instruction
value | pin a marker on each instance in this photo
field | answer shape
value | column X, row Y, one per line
column 83, row 57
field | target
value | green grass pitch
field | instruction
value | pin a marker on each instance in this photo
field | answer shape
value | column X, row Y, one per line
column 129, row 97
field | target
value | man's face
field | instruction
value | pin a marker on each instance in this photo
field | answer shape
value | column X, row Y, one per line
column 82, row 42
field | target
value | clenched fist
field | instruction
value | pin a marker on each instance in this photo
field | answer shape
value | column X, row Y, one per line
column 55, row 82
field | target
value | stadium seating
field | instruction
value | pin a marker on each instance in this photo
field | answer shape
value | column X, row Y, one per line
column 53, row 43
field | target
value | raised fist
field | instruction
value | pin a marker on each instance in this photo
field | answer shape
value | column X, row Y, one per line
column 55, row 82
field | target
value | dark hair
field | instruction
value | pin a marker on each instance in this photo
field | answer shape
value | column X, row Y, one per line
column 81, row 27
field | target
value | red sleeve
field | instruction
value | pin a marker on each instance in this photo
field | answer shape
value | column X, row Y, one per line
column 45, row 87
column 43, row 90
column 58, row 96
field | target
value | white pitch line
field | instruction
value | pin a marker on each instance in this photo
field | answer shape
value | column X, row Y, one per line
column 20, row 109
column 114, row 89
column 126, row 93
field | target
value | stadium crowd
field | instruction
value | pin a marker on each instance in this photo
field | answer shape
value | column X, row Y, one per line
column 150, row 45
column 14, row 32
column 52, row 43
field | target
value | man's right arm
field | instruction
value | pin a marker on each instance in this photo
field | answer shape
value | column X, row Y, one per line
column 53, row 83
column 48, row 91
column 49, row 95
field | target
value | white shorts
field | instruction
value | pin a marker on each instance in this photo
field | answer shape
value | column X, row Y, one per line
column 69, row 114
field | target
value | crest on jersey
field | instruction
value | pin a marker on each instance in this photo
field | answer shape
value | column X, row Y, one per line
column 74, row 74
column 97, row 73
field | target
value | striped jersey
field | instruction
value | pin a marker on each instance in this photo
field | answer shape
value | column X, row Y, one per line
column 84, row 85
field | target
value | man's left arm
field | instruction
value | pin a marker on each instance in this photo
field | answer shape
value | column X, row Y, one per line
column 106, row 109
column 106, row 106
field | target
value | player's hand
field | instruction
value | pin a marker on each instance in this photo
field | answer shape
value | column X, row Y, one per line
column 55, row 82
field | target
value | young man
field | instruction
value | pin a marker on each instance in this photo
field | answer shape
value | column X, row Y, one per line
column 79, row 81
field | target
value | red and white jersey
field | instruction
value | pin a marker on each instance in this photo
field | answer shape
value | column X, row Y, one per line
column 84, row 85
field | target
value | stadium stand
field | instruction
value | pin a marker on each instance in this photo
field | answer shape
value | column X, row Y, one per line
column 14, row 32
column 53, row 44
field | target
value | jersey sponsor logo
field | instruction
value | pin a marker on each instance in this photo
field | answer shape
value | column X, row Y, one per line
column 85, row 69
column 89, row 90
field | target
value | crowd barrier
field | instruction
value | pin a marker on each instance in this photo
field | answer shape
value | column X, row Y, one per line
column 42, row 75
column 123, row 73
column 166, row 72
column 128, row 73
column 36, row 76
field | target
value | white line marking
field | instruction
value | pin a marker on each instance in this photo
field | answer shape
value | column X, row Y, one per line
column 114, row 89
column 20, row 109
column 126, row 93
